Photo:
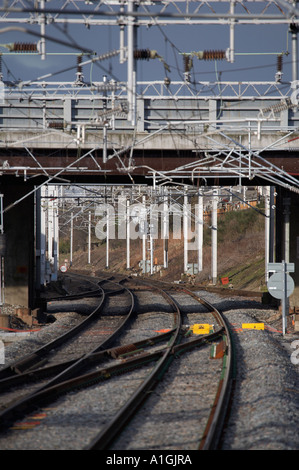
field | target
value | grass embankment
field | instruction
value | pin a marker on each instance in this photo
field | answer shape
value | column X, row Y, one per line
column 241, row 249
column 240, row 253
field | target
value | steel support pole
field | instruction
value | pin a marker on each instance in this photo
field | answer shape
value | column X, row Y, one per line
column 232, row 33
column 151, row 253
column 71, row 239
column 165, row 228
column 128, row 232
column 89, row 236
column 42, row 41
column 295, row 55
column 267, row 231
column 272, row 224
column 107, row 238
column 214, row 236
column 144, row 234
column 152, row 233
column 55, row 235
column 286, row 213
column 105, row 124
column 122, row 56
column 294, row 32
column 284, row 301
column 50, row 228
column 48, row 250
column 105, row 143
column 185, row 231
column 200, row 231
column 38, row 229
column 131, row 73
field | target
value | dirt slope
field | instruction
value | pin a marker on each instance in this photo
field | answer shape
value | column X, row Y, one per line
column 241, row 246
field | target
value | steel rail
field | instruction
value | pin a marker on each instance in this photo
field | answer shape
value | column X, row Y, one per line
column 86, row 358
column 211, row 436
column 56, row 386
column 51, row 393
column 34, row 358
column 163, row 357
column 219, row 411
column 141, row 358
column 110, row 431
column 22, row 405
column 94, row 358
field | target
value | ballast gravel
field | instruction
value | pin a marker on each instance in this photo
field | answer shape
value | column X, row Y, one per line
column 264, row 413
column 265, row 409
column 36, row 339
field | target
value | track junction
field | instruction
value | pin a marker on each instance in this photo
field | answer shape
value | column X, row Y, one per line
column 136, row 353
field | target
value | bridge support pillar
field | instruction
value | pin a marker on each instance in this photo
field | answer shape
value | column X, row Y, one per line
column 214, row 229
column 19, row 252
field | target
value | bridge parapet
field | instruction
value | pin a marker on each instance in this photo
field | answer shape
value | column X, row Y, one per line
column 189, row 130
column 64, row 106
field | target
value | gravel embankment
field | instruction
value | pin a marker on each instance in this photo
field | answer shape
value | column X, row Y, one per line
column 265, row 408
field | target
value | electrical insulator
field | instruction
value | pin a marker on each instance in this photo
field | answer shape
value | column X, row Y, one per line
column 56, row 124
column 188, row 63
column 79, row 74
column 107, row 55
column 24, row 47
column 142, row 54
column 121, row 110
column 212, row 55
column 278, row 75
column 279, row 63
column 277, row 108
column 145, row 54
column 79, row 66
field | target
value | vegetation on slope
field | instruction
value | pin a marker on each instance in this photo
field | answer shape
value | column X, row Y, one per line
column 240, row 252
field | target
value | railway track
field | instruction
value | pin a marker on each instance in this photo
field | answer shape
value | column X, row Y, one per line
column 119, row 373
column 66, row 355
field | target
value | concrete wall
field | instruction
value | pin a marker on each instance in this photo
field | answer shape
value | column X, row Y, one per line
column 19, row 234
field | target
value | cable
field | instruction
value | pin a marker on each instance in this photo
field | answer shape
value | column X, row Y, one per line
column 180, row 70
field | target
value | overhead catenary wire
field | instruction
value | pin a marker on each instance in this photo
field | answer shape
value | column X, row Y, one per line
column 180, row 69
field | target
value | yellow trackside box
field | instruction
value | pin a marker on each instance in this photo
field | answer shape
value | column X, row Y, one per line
column 253, row 326
column 202, row 328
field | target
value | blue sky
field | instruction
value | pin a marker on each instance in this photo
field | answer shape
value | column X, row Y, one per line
column 169, row 42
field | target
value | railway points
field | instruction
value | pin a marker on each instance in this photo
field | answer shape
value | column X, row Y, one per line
column 143, row 345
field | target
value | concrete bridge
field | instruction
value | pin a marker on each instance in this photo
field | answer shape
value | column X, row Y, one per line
column 203, row 134
column 181, row 130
